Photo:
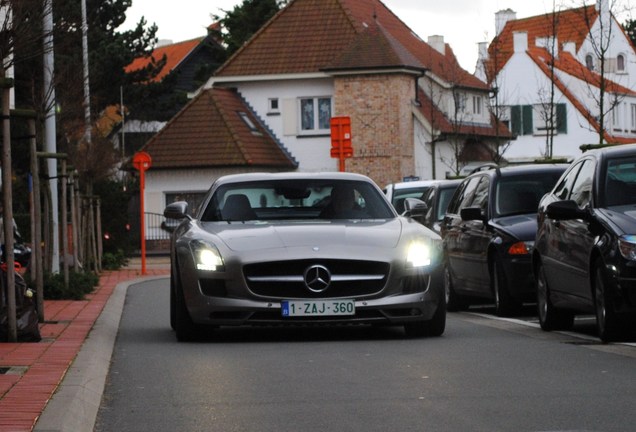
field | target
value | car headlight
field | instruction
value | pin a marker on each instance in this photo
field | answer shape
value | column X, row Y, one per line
column 627, row 246
column 206, row 256
column 419, row 254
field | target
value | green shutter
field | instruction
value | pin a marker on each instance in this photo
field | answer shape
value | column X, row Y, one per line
column 562, row 118
column 527, row 120
column 515, row 119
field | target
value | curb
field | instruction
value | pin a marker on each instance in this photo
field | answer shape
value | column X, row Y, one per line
column 75, row 404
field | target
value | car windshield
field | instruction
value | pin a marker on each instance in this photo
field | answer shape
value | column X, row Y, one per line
column 520, row 194
column 296, row 199
column 445, row 196
column 620, row 182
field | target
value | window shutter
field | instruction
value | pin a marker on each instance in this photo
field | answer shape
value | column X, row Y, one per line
column 515, row 119
column 527, row 120
column 562, row 118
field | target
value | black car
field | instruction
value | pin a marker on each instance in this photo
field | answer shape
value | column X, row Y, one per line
column 436, row 199
column 585, row 254
column 488, row 234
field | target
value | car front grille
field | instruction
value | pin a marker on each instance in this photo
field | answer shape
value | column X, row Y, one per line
column 335, row 278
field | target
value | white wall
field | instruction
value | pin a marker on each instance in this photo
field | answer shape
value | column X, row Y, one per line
column 312, row 153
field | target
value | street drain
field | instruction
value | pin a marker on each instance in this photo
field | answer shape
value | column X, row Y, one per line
column 13, row 370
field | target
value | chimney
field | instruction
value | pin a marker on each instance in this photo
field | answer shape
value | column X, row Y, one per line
column 604, row 12
column 569, row 47
column 482, row 50
column 550, row 43
column 502, row 17
column 437, row 42
column 520, row 41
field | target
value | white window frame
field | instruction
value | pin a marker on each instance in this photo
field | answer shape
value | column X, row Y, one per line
column 315, row 128
column 633, row 117
column 477, row 104
column 273, row 106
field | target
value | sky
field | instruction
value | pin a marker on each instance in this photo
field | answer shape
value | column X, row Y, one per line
column 463, row 23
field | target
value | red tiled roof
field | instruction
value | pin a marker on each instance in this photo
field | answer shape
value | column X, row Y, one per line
column 311, row 35
column 571, row 25
column 175, row 53
column 567, row 63
column 209, row 132
column 441, row 123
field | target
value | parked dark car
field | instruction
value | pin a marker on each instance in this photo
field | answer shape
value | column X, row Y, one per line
column 585, row 254
column 488, row 234
column 302, row 249
column 436, row 199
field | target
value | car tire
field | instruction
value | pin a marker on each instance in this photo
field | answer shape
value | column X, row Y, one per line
column 505, row 304
column 550, row 318
column 185, row 329
column 433, row 327
column 454, row 302
column 607, row 322
column 172, row 301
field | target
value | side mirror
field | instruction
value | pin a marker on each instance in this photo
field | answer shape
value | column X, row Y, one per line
column 565, row 210
column 176, row 210
column 414, row 208
column 471, row 213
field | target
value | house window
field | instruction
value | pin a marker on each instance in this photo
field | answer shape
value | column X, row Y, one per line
column 460, row 102
column 249, row 123
column 533, row 119
column 477, row 104
column 616, row 118
column 620, row 63
column 272, row 106
column 589, row 62
column 633, row 117
column 315, row 115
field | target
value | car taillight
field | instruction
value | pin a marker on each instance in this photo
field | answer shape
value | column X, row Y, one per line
column 520, row 248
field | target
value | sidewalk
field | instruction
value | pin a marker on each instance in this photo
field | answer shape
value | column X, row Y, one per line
column 30, row 373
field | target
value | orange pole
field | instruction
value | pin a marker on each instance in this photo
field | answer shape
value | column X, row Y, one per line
column 142, row 185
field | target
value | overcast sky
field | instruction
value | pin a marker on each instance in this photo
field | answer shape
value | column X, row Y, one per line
column 463, row 23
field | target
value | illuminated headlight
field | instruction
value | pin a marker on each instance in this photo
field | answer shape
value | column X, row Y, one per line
column 419, row 254
column 627, row 246
column 206, row 256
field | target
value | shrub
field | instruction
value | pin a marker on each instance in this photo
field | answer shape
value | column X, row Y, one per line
column 114, row 261
column 80, row 284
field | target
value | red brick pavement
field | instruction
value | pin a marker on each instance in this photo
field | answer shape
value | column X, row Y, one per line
column 33, row 371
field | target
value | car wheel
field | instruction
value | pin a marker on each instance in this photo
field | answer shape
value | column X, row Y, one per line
column 454, row 302
column 185, row 328
column 505, row 305
column 433, row 327
column 550, row 318
column 172, row 301
column 607, row 322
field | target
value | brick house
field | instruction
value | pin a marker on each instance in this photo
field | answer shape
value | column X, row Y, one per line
column 518, row 62
column 414, row 111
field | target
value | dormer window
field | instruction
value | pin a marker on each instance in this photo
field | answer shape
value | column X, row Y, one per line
column 620, row 63
column 249, row 123
column 589, row 62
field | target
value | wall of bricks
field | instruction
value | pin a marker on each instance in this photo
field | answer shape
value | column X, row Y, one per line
column 380, row 108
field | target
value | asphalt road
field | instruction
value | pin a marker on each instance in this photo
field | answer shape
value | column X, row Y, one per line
column 482, row 375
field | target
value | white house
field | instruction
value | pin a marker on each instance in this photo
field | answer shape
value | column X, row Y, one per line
column 547, row 73
column 413, row 110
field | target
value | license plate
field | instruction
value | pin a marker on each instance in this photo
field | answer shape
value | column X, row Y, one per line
column 317, row 307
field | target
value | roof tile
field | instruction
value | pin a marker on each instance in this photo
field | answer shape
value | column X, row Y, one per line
column 210, row 132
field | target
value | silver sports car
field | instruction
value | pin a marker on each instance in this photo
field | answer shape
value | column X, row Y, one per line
column 303, row 248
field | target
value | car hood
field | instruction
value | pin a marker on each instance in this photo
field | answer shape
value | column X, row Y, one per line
column 623, row 218
column 523, row 227
column 272, row 235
